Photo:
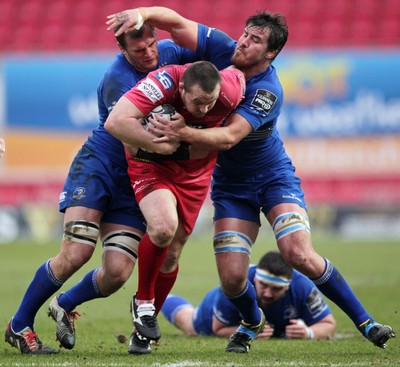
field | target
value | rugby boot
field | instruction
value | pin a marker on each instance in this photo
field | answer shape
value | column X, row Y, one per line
column 26, row 341
column 145, row 321
column 65, row 324
column 240, row 341
column 139, row 344
column 376, row 333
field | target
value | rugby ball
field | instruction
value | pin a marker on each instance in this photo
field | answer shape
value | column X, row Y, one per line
column 164, row 110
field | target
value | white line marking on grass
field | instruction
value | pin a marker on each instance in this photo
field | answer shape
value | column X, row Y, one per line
column 259, row 364
column 188, row 363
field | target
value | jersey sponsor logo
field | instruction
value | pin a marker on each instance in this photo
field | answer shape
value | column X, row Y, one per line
column 165, row 79
column 151, row 90
column 264, row 100
column 314, row 301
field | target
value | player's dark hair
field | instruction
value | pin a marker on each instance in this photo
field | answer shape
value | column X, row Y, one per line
column 135, row 34
column 203, row 73
column 274, row 263
column 278, row 28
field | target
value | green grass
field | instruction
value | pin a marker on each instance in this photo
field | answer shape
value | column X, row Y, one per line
column 370, row 267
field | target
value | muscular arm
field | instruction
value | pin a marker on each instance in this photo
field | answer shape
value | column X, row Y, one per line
column 222, row 138
column 183, row 31
column 123, row 123
column 325, row 328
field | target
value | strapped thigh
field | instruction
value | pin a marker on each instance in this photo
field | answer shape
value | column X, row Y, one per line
column 81, row 231
column 288, row 223
column 230, row 241
column 126, row 242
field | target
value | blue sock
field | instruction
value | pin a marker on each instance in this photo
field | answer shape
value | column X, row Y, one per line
column 44, row 284
column 246, row 303
column 334, row 286
column 171, row 306
column 86, row 290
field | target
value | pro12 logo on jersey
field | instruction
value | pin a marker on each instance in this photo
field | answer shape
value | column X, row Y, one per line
column 264, row 100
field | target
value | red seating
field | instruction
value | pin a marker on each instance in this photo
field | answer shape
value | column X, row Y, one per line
column 35, row 25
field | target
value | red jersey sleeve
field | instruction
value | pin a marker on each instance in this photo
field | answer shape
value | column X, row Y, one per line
column 233, row 87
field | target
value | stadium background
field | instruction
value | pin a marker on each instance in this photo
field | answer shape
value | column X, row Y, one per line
column 341, row 116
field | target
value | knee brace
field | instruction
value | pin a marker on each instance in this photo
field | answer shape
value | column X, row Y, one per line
column 82, row 232
column 232, row 242
column 288, row 223
column 126, row 242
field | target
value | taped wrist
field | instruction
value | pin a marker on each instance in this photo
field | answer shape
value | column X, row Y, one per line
column 142, row 17
column 310, row 333
column 181, row 154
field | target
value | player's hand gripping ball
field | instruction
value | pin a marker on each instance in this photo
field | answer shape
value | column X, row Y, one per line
column 164, row 110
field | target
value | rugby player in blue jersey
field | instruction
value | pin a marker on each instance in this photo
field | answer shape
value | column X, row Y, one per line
column 253, row 173
column 293, row 306
column 98, row 202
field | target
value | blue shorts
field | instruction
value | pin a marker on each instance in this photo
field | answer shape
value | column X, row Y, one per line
column 245, row 198
column 95, row 181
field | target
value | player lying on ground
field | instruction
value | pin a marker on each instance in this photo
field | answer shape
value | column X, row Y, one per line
column 292, row 304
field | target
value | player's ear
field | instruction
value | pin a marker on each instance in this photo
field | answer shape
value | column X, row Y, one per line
column 269, row 55
column 120, row 47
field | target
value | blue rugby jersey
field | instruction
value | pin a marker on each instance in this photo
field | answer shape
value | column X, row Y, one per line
column 263, row 148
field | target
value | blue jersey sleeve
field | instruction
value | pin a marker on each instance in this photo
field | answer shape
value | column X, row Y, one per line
column 263, row 101
column 215, row 46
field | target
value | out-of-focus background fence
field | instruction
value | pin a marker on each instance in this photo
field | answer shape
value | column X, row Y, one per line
column 341, row 115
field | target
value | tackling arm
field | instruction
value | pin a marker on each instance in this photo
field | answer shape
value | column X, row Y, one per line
column 123, row 123
column 183, row 31
column 221, row 138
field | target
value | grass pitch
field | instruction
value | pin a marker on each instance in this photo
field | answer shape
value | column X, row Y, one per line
column 371, row 267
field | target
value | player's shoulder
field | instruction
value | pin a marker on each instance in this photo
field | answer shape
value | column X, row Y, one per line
column 166, row 44
column 233, row 87
column 264, row 91
column 267, row 79
column 120, row 69
column 300, row 281
column 168, row 75
column 232, row 75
